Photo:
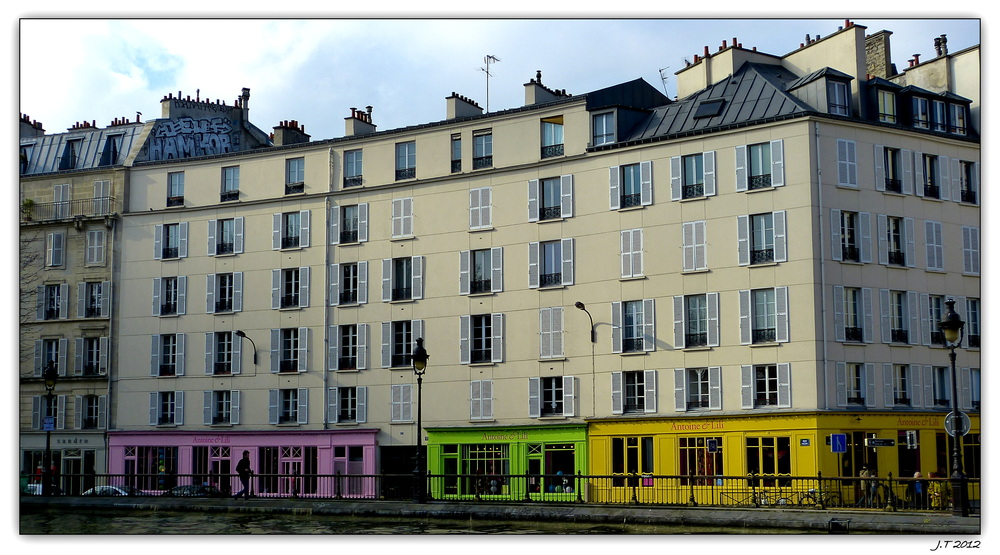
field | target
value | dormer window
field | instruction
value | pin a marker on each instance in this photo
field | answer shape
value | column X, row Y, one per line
column 838, row 98
column 71, row 155
column 112, row 149
column 921, row 113
column 957, row 123
column 940, row 116
column 604, row 128
column 887, row 106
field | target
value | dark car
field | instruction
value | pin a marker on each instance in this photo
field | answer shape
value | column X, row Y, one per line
column 112, row 491
column 194, row 491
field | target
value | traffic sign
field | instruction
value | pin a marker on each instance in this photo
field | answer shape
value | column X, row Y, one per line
column 838, row 443
column 48, row 423
column 960, row 424
column 879, row 442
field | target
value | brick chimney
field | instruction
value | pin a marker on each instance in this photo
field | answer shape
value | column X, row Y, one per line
column 461, row 107
column 30, row 128
column 537, row 93
column 359, row 122
column 289, row 132
column 877, row 55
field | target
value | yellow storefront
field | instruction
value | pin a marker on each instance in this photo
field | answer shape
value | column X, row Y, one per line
column 641, row 454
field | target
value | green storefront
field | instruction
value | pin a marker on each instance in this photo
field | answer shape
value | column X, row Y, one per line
column 510, row 462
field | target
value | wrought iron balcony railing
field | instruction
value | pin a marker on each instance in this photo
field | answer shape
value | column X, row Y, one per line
column 353, row 181
column 759, row 181
column 482, row 162
column 87, row 208
column 552, row 150
column 693, row 191
column 893, row 185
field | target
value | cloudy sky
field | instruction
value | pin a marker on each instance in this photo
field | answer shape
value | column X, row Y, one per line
column 314, row 70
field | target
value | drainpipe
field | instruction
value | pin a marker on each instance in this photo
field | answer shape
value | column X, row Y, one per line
column 326, row 307
column 822, row 264
column 112, row 344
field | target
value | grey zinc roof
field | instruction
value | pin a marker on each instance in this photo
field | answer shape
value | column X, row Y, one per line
column 754, row 92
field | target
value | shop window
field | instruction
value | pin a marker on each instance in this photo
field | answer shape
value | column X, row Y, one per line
column 630, row 457
column 700, row 456
column 551, row 468
column 769, row 458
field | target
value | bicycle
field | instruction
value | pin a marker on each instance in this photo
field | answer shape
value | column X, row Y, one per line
column 755, row 499
column 814, row 497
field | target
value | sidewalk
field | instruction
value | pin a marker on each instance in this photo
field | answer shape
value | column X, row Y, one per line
column 806, row 520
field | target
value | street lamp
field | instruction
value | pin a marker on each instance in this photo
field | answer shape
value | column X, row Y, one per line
column 240, row 334
column 954, row 329
column 419, row 359
column 49, row 376
column 593, row 332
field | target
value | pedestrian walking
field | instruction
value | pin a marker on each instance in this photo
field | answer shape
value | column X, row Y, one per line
column 244, row 470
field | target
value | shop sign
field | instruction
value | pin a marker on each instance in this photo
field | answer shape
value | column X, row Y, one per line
column 879, row 442
column 505, row 436
column 72, row 441
column 215, row 440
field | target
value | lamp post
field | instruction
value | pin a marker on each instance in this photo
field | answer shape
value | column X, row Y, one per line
column 593, row 332
column 49, row 376
column 954, row 329
column 419, row 359
column 240, row 334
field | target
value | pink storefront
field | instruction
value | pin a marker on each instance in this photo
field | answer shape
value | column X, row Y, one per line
column 306, row 462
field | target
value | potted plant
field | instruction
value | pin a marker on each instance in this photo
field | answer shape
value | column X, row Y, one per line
column 28, row 208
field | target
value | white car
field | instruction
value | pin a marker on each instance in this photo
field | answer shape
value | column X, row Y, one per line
column 112, row 491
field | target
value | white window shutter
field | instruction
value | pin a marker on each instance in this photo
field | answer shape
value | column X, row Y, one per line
column 784, row 385
column 836, row 244
column 918, row 173
column 567, row 262
column 715, row 388
column 397, row 217
column 911, row 255
column 742, row 171
column 869, row 319
column 970, row 250
column 363, row 282
column 303, row 408
column 334, row 284
column 182, row 295
column 688, row 246
column 534, row 202
column 362, row 412
column 712, row 299
column 882, row 229
column 617, row 394
column 888, row 397
column 154, row 408
column 743, row 240
column 363, row 222
column 303, row 353
column 475, row 215
column 676, row 178
column 238, row 235
column 865, row 232
column 782, row 319
column 154, row 356
column 780, row 237
column 533, row 265
column 879, row 168
column 234, row 406
column 237, row 291
column 275, row 350
column 906, row 156
column 870, row 390
column 465, row 339
column 614, row 177
column 334, row 225
column 746, row 325
column 841, row 376
column 208, row 410
column 157, row 242
column 102, row 412
column 616, row 327
column 708, row 164
column 275, row 288
column 417, row 277
column 912, row 304
column 209, row 353
column 333, row 348
column 464, row 272
column 646, row 183
column 648, row 325
column 408, row 216
column 569, row 396
column 179, row 408
column 210, row 293
column 272, row 406
column 498, row 333
column 746, row 386
column 566, row 196
column 486, row 207
column 237, row 356
column 637, row 260
column 944, row 181
column 386, row 344
column 496, row 272
column 839, row 330
column 534, row 397
column 303, row 228
column 362, row 346
column 777, row 163
column 925, row 319
column 680, row 389
column 182, row 243
column 885, row 305
column 386, row 280
column 626, row 253
column 78, row 357
column 649, row 390
column 680, row 323
column 212, row 226
column 102, row 360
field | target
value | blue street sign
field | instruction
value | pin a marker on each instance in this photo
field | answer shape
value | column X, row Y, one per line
column 48, row 423
column 713, row 445
column 838, row 443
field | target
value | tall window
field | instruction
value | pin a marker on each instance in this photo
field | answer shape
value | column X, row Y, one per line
column 896, row 238
column 406, row 160
column 968, row 181
column 764, row 315
column 401, row 403
column 169, row 296
column 761, row 238
column 223, row 353
column 886, row 107
column 634, row 389
column 482, row 150
column 482, row 271
column 552, row 396
column 893, row 170
column 167, row 408
column 603, row 128
column 90, row 412
column 291, row 282
column 55, row 245
column 230, row 184
column 94, row 302
column 551, row 199
column 853, row 315
column 631, row 186
column 289, row 350
column 225, row 236
column 347, row 404
column 972, row 322
column 225, row 293
column 402, row 278
column 631, row 253
column 838, row 98
column 288, row 406
column 95, row 247
column 221, row 407
column 957, row 119
column 697, row 388
column 632, row 326
column 353, row 168
column 898, row 317
column 175, row 189
column 168, row 348
column 921, row 113
column 850, row 241
column 696, row 459
column 53, row 302
column 401, row 342
column 765, row 385
column 759, row 165
column 550, row 332
column 173, row 237
column 456, row 153
column 551, row 263
column 932, row 176
column 348, row 347
column 92, row 355
column 482, row 338
column 349, row 283
column 693, row 184
column 941, row 376
column 295, row 175
column 696, row 320
column 940, row 115
column 552, row 137
column 901, row 380
column 935, row 306
column 855, row 383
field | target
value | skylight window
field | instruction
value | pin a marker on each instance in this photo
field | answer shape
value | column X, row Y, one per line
column 709, row 108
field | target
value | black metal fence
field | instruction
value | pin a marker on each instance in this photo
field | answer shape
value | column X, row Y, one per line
column 752, row 491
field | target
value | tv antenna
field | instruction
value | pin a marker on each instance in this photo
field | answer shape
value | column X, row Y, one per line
column 488, row 59
column 663, row 78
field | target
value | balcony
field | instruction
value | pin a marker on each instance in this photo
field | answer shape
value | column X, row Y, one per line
column 402, row 293
column 630, row 200
column 353, row 181
column 170, row 252
column 175, row 201
column 89, row 423
column 290, row 300
column 400, row 360
column 480, row 286
column 697, row 404
column 552, row 150
column 227, row 196
column 51, row 313
column 854, row 334
column 762, row 181
column 347, row 363
column 763, row 335
column 693, row 191
column 631, row 344
column 168, row 309
column 766, row 400
column 550, row 213
column 942, row 402
column 968, row 196
column 220, row 419
column 479, row 356
column 349, row 297
column 761, row 256
column 937, row 338
column 224, row 305
column 932, row 191
column 695, row 339
column 290, row 242
column 294, row 188
column 166, row 419
column 893, row 185
column 897, row 258
column 168, row 370
column 91, row 369
column 224, row 248
column 349, row 236
column 406, row 173
column 87, row 208
column 973, row 340
column 550, row 280
column 482, row 162
column 899, row 336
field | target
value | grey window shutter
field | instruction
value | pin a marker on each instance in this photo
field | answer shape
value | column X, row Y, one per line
column 534, row 398
column 237, row 291
column 362, row 346
column 646, row 183
column 102, row 412
column 237, row 356
column 154, row 409
column 715, row 387
column 182, row 243
column 836, row 246
column 870, row 390
column 496, row 277
column 840, row 332
column 533, row 262
column 626, row 253
column 207, row 411
column 649, row 386
column 154, row 356
column 567, row 262
column 688, row 246
column 64, row 301
column 303, row 353
column 156, row 296
column 180, row 354
column 912, row 304
column 209, row 353
column 238, row 235
column 179, row 408
column 78, row 357
column 486, row 207
column 882, row 229
column 680, row 389
column 275, row 350
column 741, row 168
column 362, row 413
column 334, row 294
column 676, row 181
column 613, row 178
column 616, row 327
column 746, row 386
column 784, row 385
column 569, row 396
column 708, row 163
column 275, row 288
column 417, row 277
column 333, row 348
column 780, row 237
column 498, row 333
column 81, row 298
column 465, row 339
column 102, row 360
column 906, row 156
column 533, row 200
column 40, row 302
column 777, row 163
column 475, row 214
column 925, row 319
column 841, row 375
column 303, row 228
column 928, row 381
column 865, row 231
column 943, row 177
column 275, row 231
column 781, row 314
column 746, row 326
column 386, row 280
column 617, row 400
column 911, row 256
column 743, row 240
column 648, row 325
column 680, row 323
column 272, row 406
column 234, row 406
column 869, row 324
column 566, row 196
column 182, row 294
column 303, row 408
column 918, row 173
column 304, row 287
column 158, row 242
column 386, row 344
column 334, row 224
column 545, row 332
column 885, row 304
column 888, row 397
column 464, row 272
column 879, row 168
column 712, row 299
column 210, row 293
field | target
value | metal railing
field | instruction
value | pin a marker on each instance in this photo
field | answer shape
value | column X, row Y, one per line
column 46, row 211
column 752, row 490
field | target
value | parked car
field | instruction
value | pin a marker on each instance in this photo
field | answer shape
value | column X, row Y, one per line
column 195, row 490
column 112, row 491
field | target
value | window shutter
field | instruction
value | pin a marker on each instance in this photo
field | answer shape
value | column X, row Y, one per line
column 929, row 245
column 362, row 346
column 882, row 229
column 238, row 235
column 545, row 332
column 303, row 408
column 272, row 406
column 334, row 224
column 182, row 243
column 869, row 324
column 870, row 384
column 363, row 282
column 417, row 277
column 386, row 280
column 648, row 325
column 102, row 359
column 879, row 168
column 912, row 303
column 534, row 397
column 626, row 253
column 212, row 226
column 741, row 168
column 102, row 412
column 613, row 177
column 840, row 332
column 888, row 398
column 207, row 411
column 303, row 228
column 865, row 231
column 498, row 345
column 303, row 353
column 81, row 298
column 567, row 262
column 237, row 291
column 234, row 406
column 275, row 350
column 713, row 319
column 533, row 200
column 944, row 181
column 956, row 180
column 362, row 413
column 332, row 403
column 928, row 380
column 304, row 287
column 617, row 399
column 408, row 216
column 78, row 357
column 40, row 302
column 566, row 196
column 676, row 181
column 465, row 339
column 841, row 375
column 688, row 245
column 743, row 240
column 569, row 396
column 154, row 356
column 715, row 388
column 209, row 353
column 386, row 344
column 486, row 207
column 965, row 385
column 154, row 409
column 836, row 246
column 275, row 231
column 637, row 262
column 464, row 272
column 475, row 400
column 708, row 163
column 334, row 294
column 237, row 356
column 680, row 389
column 970, row 250
column 397, row 217
column 746, row 386
column 63, row 354
column 179, row 408
column 784, row 385
column 646, row 183
column 210, row 293
column 533, row 269
column 475, row 215
column 649, row 386
column 616, row 327
column 777, row 163
column 780, row 237
column 906, row 156
column 746, row 326
column 781, row 314
column 918, row 173
column 158, row 242
column 847, row 163
column 885, row 304
column 925, row 319
column 496, row 277
column 701, row 245
column 680, row 323
column 911, row 256
column 275, row 289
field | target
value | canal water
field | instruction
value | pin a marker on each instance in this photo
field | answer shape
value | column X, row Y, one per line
column 57, row 522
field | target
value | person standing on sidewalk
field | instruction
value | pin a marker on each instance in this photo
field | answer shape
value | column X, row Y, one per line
column 244, row 470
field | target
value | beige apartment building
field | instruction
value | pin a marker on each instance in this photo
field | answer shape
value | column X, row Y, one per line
column 606, row 283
